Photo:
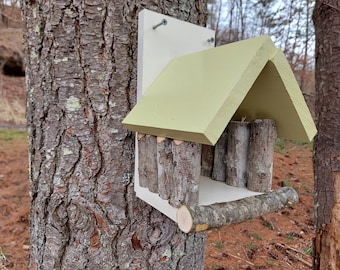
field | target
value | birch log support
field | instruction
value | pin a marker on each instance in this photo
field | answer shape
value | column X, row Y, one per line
column 147, row 159
column 207, row 160
column 187, row 168
column 237, row 153
column 261, row 154
column 200, row 218
column 165, row 167
column 219, row 168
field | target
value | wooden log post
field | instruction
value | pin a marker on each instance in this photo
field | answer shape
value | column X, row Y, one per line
column 237, row 154
column 261, row 154
column 200, row 218
column 207, row 160
column 187, row 168
column 147, row 162
column 219, row 167
column 165, row 167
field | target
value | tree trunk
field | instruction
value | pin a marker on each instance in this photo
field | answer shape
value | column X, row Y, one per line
column 147, row 162
column 327, row 144
column 219, row 168
column 261, row 155
column 207, row 160
column 237, row 154
column 165, row 168
column 81, row 82
column 187, row 169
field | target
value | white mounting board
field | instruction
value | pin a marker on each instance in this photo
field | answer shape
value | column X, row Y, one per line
column 157, row 47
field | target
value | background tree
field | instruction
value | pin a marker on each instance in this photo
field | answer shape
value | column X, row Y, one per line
column 81, row 83
column 327, row 143
column 288, row 22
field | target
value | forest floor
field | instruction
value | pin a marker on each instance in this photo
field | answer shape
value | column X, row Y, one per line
column 280, row 240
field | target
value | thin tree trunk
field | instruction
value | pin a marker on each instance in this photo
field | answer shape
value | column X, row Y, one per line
column 187, row 169
column 165, row 167
column 261, row 155
column 327, row 144
column 219, row 168
column 147, row 163
column 200, row 218
column 81, row 83
column 207, row 160
column 237, row 154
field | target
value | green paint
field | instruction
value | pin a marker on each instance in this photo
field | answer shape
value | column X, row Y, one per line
column 196, row 95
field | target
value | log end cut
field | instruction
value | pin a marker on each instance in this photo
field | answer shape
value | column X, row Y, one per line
column 184, row 219
column 186, row 222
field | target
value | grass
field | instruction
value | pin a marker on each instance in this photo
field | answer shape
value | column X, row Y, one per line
column 309, row 145
column 252, row 246
column 268, row 225
column 308, row 251
column 282, row 144
column 285, row 183
column 218, row 245
column 12, row 135
column 215, row 266
column 271, row 263
column 3, row 259
column 257, row 236
column 290, row 236
column 306, row 187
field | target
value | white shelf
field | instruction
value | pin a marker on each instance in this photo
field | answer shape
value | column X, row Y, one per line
column 210, row 192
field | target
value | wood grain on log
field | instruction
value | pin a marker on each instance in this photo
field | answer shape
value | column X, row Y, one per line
column 147, row 163
column 200, row 218
column 207, row 160
column 219, row 168
column 237, row 154
column 187, row 168
column 261, row 153
column 165, row 167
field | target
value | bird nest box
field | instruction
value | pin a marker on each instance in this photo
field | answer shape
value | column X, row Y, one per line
column 206, row 121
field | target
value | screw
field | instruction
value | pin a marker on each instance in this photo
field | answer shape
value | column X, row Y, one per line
column 163, row 22
column 211, row 40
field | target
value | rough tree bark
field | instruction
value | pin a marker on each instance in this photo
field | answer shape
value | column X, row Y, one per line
column 207, row 161
column 261, row 155
column 147, row 162
column 219, row 167
column 81, row 83
column 237, row 154
column 187, row 168
column 327, row 144
column 165, row 167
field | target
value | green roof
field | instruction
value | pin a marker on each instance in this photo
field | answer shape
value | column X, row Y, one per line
column 196, row 95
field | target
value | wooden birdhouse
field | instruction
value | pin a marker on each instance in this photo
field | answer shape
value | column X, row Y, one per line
column 206, row 122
